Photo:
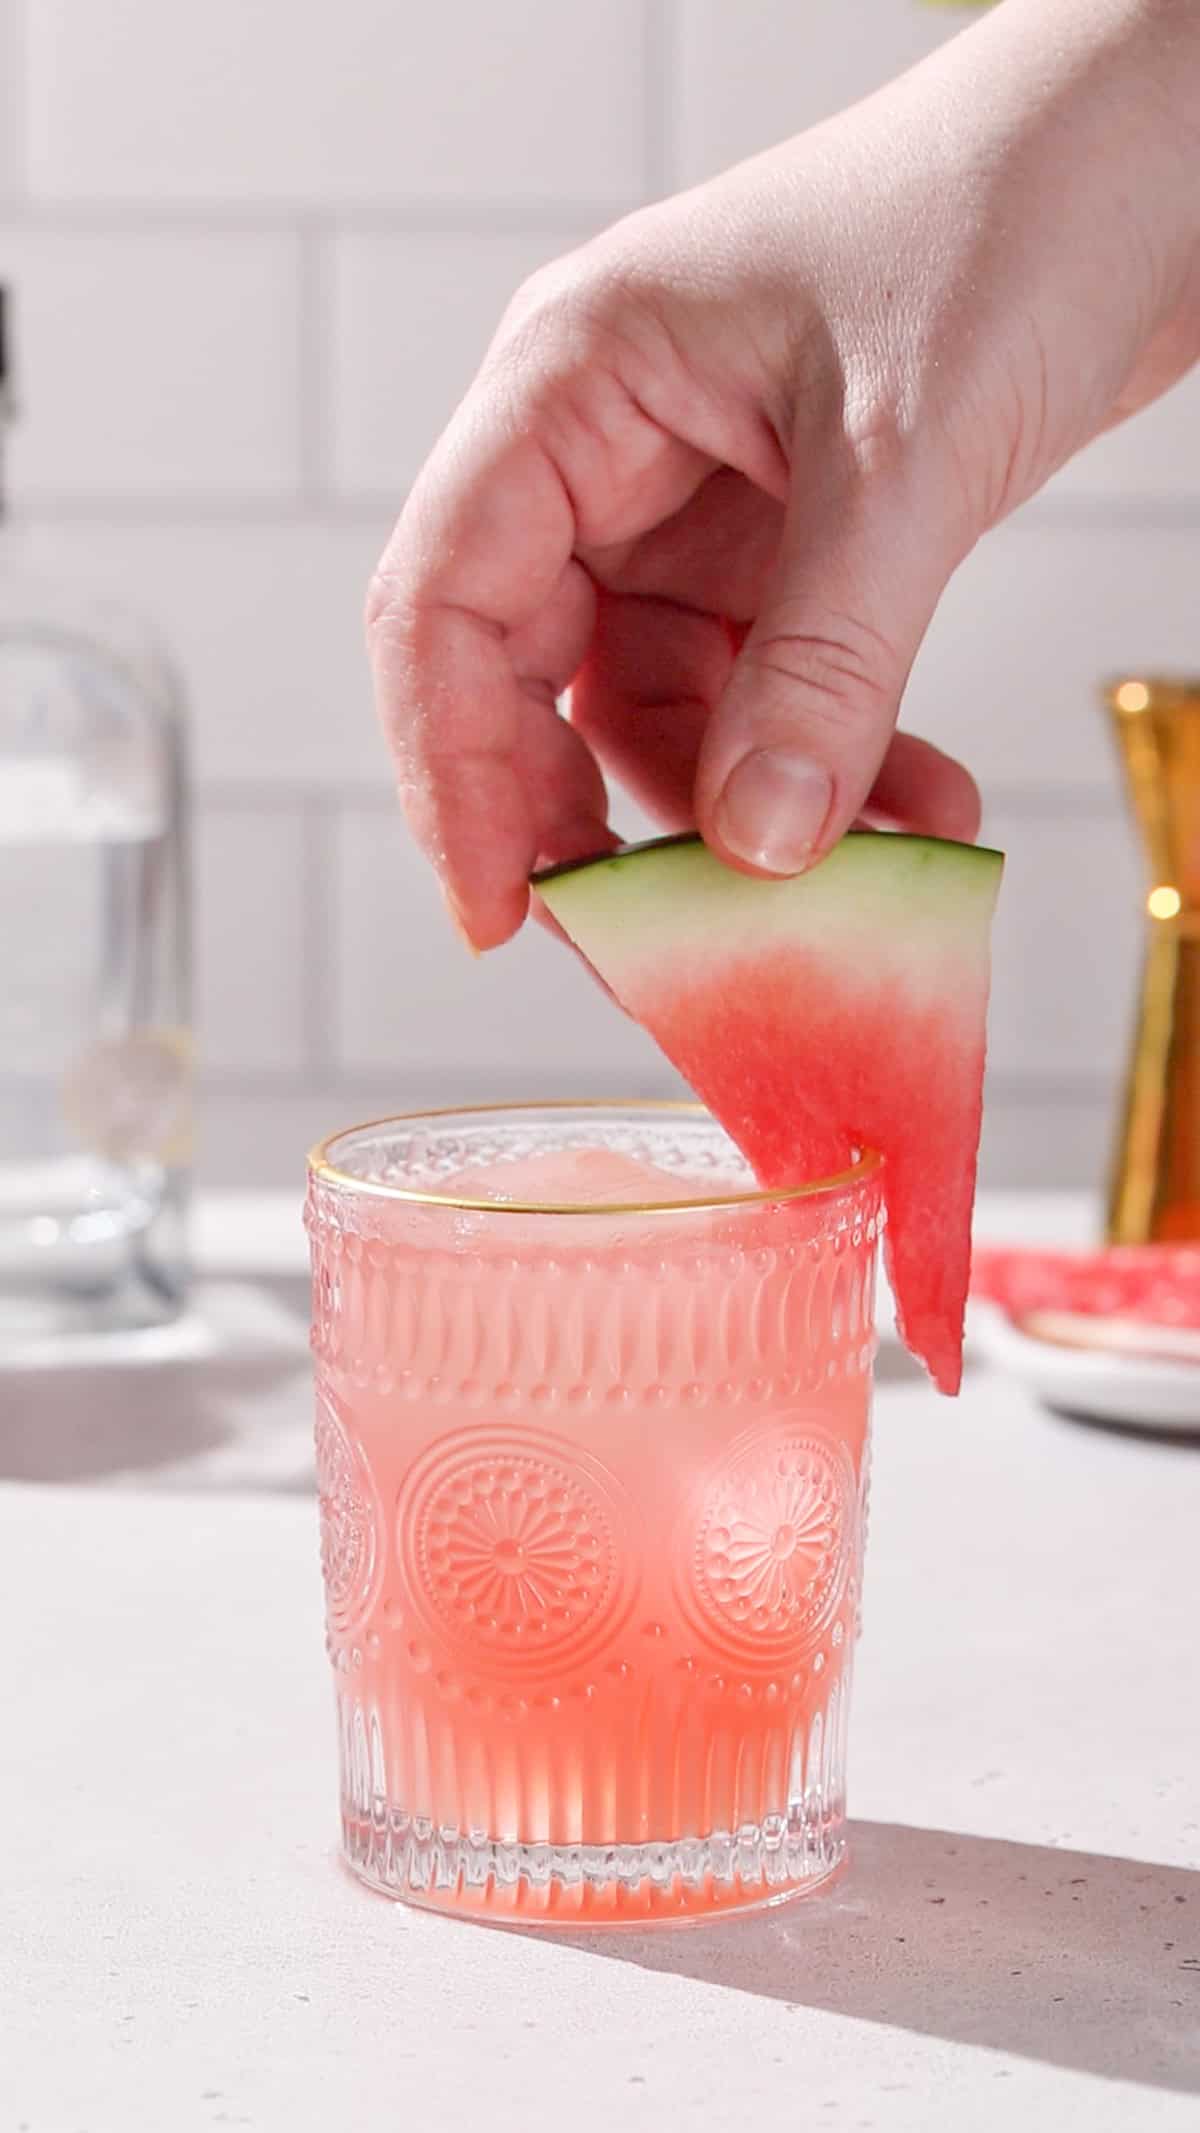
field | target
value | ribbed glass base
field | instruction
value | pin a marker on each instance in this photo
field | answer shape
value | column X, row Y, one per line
column 785, row 1855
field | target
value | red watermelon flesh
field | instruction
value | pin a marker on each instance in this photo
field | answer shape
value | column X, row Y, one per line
column 841, row 1010
column 1151, row 1284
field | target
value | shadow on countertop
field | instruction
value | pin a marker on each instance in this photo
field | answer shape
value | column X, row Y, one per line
column 220, row 1400
column 1076, row 1960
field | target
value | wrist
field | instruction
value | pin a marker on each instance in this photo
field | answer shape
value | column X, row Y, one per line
column 1106, row 96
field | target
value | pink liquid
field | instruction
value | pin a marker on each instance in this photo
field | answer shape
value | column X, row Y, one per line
column 591, row 1492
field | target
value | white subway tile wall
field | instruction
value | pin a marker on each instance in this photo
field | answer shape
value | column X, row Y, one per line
column 1041, row 613
column 155, row 364
column 410, row 314
column 1066, row 944
column 254, row 937
column 367, row 102
column 748, row 75
column 11, row 100
column 264, row 616
column 257, row 252
column 403, row 984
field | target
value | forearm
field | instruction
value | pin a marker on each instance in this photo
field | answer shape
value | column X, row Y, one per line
column 1116, row 86
column 1110, row 90
column 1042, row 205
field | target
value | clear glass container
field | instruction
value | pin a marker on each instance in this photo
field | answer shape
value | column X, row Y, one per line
column 592, row 1478
column 95, row 1056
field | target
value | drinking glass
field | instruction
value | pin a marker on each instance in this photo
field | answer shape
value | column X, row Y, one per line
column 592, row 1482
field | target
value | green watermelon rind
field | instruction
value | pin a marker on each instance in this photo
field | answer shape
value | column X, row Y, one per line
column 890, row 930
column 691, row 840
column 867, row 877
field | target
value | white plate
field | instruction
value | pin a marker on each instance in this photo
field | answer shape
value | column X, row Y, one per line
column 1140, row 1392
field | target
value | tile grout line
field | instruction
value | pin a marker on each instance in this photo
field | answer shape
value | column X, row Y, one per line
column 318, row 820
column 323, row 798
column 266, row 218
column 15, row 104
column 315, row 408
column 1012, row 1088
column 658, row 48
column 173, row 510
column 1080, row 514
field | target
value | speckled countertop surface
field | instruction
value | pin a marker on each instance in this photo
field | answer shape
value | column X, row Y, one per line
column 1017, row 1941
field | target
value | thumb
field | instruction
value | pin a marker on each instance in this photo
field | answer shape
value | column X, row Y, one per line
column 800, row 732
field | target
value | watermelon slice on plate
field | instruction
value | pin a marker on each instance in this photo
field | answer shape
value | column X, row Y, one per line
column 844, row 1009
column 1121, row 1296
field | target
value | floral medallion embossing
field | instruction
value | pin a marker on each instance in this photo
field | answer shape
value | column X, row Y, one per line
column 768, row 1556
column 350, row 1525
column 515, row 1545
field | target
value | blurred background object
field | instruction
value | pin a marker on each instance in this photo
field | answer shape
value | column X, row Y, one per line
column 95, row 1056
column 1155, row 1189
column 259, row 251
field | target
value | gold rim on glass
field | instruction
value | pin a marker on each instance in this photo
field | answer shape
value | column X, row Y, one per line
column 320, row 1166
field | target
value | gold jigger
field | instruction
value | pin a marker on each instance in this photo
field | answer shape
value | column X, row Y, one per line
column 1154, row 1194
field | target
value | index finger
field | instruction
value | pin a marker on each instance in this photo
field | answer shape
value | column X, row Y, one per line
column 478, row 617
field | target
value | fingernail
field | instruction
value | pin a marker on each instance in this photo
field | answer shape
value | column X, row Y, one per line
column 459, row 923
column 772, row 808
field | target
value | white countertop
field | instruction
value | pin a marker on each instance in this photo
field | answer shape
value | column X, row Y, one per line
column 1017, row 1940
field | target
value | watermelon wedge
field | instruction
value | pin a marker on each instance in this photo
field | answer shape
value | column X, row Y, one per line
column 844, row 1009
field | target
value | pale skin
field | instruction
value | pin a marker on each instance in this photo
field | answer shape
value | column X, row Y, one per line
column 719, row 464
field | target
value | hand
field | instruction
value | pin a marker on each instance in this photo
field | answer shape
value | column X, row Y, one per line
column 719, row 464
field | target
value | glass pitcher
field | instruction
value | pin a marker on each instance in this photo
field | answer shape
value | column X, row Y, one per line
column 95, row 1056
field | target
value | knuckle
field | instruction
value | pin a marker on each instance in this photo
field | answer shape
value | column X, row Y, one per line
column 392, row 607
column 580, row 311
column 379, row 607
column 845, row 668
column 537, row 295
column 546, row 309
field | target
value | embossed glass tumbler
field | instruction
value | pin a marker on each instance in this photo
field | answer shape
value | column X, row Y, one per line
column 591, row 1441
